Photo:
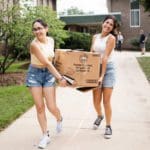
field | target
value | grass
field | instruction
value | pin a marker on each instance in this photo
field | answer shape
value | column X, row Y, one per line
column 14, row 101
column 19, row 66
column 145, row 65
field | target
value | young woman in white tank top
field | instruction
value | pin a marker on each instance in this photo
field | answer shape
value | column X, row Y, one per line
column 104, row 43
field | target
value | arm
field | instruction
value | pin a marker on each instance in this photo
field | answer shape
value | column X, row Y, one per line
column 91, row 49
column 36, row 50
column 145, row 38
column 122, row 38
column 109, row 47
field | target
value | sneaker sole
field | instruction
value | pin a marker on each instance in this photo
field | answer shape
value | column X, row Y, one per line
column 40, row 147
column 95, row 127
column 107, row 136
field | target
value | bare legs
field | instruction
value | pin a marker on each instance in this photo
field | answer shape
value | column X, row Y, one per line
column 51, row 102
column 107, row 92
column 97, row 99
column 142, row 51
column 39, row 94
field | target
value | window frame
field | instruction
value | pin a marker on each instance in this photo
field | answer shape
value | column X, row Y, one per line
column 139, row 22
column 134, row 10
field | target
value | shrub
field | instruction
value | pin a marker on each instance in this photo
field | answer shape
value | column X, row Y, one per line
column 135, row 43
column 148, row 45
column 77, row 40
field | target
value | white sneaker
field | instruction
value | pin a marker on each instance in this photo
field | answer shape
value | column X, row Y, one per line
column 44, row 141
column 59, row 126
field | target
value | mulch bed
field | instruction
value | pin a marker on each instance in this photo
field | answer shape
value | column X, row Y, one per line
column 8, row 79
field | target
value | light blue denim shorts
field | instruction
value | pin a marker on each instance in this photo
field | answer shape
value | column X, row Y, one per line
column 39, row 77
column 110, row 76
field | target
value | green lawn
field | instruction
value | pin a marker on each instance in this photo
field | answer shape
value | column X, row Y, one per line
column 14, row 101
column 19, row 66
column 145, row 65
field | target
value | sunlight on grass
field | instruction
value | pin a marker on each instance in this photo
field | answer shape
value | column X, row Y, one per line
column 145, row 65
column 20, row 66
column 14, row 101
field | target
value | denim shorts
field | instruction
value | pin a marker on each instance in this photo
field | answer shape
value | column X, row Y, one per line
column 110, row 76
column 39, row 77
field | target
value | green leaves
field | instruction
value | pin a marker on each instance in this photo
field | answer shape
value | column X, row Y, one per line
column 146, row 4
column 16, row 33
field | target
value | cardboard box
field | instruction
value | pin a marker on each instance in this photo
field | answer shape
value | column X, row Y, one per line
column 81, row 66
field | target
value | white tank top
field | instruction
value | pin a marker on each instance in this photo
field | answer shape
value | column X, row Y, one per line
column 47, row 50
column 99, row 46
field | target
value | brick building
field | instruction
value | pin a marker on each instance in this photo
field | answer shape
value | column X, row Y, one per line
column 86, row 23
column 133, row 18
column 51, row 3
column 129, row 13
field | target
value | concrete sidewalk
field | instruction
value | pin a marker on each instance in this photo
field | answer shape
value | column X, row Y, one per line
column 130, row 122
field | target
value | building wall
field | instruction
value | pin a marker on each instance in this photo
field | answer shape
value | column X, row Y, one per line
column 51, row 3
column 108, row 3
column 127, row 31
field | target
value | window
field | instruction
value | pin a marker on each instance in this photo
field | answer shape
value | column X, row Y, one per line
column 134, row 4
column 134, row 13
column 135, row 18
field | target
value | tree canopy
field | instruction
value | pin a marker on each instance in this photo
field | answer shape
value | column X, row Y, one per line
column 16, row 31
column 146, row 4
column 74, row 11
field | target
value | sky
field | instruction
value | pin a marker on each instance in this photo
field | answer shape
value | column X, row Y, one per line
column 97, row 6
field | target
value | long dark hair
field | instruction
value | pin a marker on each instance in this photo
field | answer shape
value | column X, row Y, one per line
column 116, row 25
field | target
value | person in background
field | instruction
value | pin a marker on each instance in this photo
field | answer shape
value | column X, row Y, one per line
column 104, row 43
column 41, row 78
column 119, row 41
column 142, row 41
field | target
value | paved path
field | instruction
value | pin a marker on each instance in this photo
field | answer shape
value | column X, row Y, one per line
column 131, row 117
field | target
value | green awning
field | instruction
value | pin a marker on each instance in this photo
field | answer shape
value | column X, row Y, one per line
column 87, row 19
